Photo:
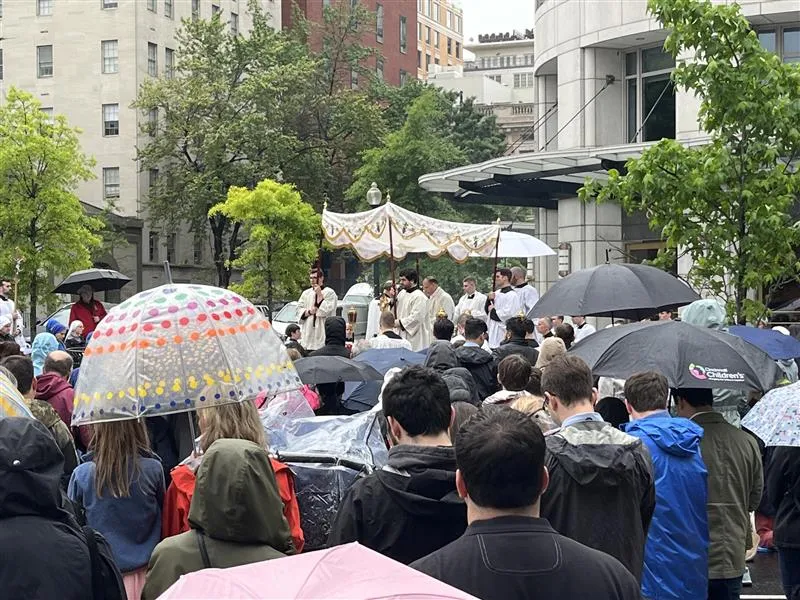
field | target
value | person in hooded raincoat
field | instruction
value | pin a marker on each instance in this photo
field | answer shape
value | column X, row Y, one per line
column 236, row 518
column 43, row 344
column 676, row 552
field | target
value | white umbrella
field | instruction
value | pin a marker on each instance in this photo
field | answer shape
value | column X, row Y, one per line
column 514, row 244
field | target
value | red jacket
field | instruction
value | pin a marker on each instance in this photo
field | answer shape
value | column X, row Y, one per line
column 85, row 313
column 175, row 514
column 58, row 393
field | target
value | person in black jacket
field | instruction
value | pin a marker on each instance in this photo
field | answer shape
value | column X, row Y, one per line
column 335, row 345
column 410, row 507
column 602, row 490
column 783, row 487
column 516, row 343
column 508, row 552
column 44, row 553
column 476, row 360
column 293, row 338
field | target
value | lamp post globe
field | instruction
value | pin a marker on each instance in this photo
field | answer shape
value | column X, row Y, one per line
column 374, row 195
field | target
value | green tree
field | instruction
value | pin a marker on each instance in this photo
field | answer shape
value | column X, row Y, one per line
column 223, row 120
column 727, row 204
column 283, row 233
column 41, row 218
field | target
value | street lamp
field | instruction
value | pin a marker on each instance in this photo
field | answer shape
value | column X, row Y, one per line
column 374, row 197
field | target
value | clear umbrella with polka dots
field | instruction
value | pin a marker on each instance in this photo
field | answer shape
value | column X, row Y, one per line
column 177, row 348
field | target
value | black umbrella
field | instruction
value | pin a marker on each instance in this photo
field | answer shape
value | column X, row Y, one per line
column 624, row 291
column 101, row 280
column 687, row 355
column 332, row 369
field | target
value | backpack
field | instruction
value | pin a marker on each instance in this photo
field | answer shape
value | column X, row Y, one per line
column 107, row 581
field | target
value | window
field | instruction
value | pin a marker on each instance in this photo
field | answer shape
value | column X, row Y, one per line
column 168, row 8
column 198, row 249
column 109, row 50
column 152, row 178
column 429, row 11
column 436, row 38
column 403, row 34
column 458, row 23
column 449, row 46
column 427, row 35
column 111, row 183
column 379, row 69
column 449, row 21
column 214, row 10
column 152, row 121
column 44, row 8
column 44, row 60
column 785, row 42
column 419, row 31
column 403, row 78
column 497, row 78
column 650, row 95
column 152, row 5
column 523, row 80
column 171, row 243
column 48, row 112
column 427, row 61
column 152, row 59
column 152, row 246
column 419, row 59
column 436, row 12
column 110, row 119
column 195, row 9
column 353, row 78
column 109, row 4
column 169, row 63
column 458, row 49
column 234, row 23
column 379, row 22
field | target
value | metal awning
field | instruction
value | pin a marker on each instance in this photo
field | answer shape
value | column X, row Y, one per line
column 536, row 179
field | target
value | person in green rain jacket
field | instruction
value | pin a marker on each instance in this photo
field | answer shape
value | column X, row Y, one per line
column 236, row 517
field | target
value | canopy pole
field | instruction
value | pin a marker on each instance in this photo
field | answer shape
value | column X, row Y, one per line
column 496, row 256
column 418, row 273
column 391, row 263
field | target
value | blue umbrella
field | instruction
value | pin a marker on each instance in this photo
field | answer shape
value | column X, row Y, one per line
column 774, row 343
column 360, row 396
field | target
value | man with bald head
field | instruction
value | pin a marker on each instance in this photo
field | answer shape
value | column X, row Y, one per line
column 53, row 387
column 528, row 293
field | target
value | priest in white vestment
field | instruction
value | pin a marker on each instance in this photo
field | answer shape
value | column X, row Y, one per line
column 528, row 293
column 412, row 312
column 472, row 302
column 317, row 303
column 501, row 305
column 439, row 301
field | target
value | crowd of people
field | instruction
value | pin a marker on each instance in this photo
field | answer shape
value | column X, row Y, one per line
column 507, row 476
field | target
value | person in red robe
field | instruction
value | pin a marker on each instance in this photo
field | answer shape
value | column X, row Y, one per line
column 87, row 310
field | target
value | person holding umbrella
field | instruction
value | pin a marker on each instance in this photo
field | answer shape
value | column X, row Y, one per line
column 87, row 310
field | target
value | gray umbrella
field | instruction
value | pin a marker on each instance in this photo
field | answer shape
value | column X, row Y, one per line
column 101, row 280
column 623, row 291
column 687, row 355
column 332, row 369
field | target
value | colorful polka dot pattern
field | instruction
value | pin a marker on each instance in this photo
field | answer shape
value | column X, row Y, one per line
column 176, row 348
column 12, row 404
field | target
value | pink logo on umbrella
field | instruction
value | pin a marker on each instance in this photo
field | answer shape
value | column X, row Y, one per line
column 697, row 371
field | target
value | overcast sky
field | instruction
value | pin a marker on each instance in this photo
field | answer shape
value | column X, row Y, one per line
column 495, row 16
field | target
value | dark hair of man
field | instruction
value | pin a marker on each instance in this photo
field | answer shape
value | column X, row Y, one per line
column 566, row 333
column 418, row 399
column 291, row 328
column 647, row 391
column 387, row 285
column 514, row 371
column 410, row 274
column 318, row 273
column 474, row 328
column 696, row 397
column 61, row 366
column 500, row 456
column 21, row 367
column 505, row 273
column 443, row 329
column 535, row 382
column 569, row 378
column 469, row 280
column 5, row 280
column 9, row 349
column 530, row 326
column 516, row 327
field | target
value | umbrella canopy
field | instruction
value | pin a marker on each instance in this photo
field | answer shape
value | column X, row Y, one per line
column 514, row 244
column 776, row 417
column 331, row 369
column 101, row 280
column 350, row 571
column 624, row 291
column 363, row 396
column 177, row 348
column 687, row 355
column 12, row 404
column 774, row 343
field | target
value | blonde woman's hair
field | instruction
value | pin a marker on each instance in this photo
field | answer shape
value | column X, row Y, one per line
column 236, row 421
column 117, row 446
column 549, row 349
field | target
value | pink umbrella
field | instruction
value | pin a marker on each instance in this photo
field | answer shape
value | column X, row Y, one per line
column 351, row 571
